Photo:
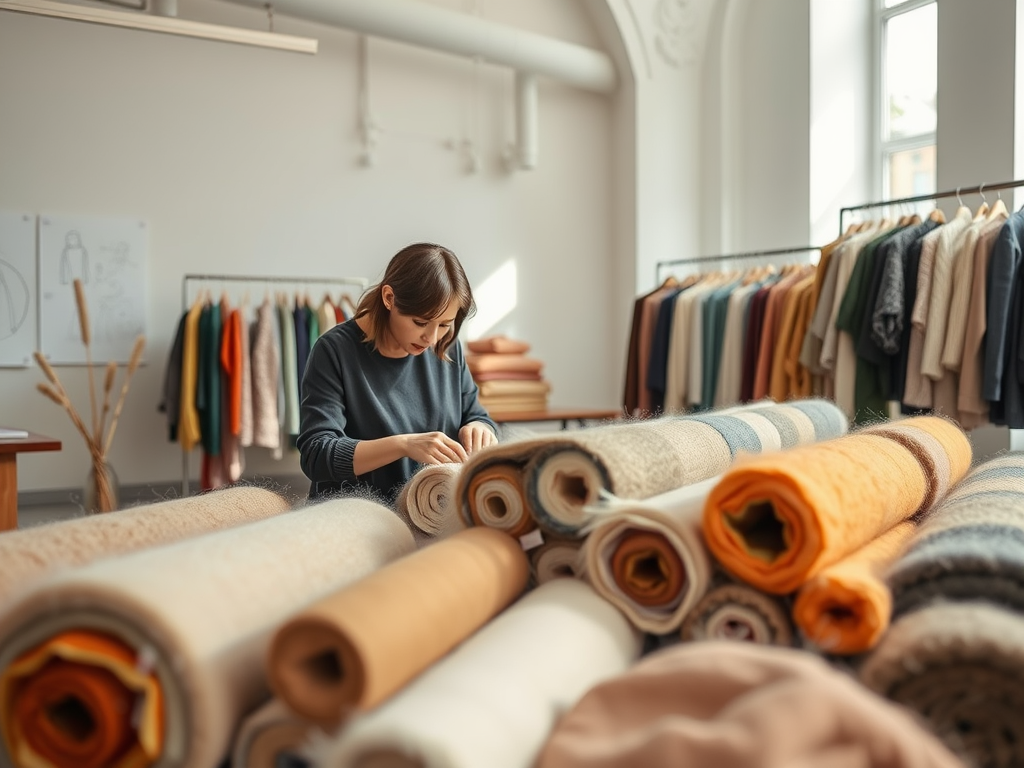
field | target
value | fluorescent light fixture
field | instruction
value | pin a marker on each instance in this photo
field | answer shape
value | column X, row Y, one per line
column 165, row 24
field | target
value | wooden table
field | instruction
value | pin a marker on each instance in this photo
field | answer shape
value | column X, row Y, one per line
column 9, row 450
column 564, row 415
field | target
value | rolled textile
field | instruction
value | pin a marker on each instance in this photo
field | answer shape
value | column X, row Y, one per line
column 646, row 458
column 270, row 737
column 29, row 553
column 846, row 607
column 426, row 499
column 555, row 559
column 494, row 700
column 777, row 520
column 498, row 344
column 356, row 647
column 187, row 613
column 732, row 610
column 489, row 489
column 648, row 558
column 743, row 706
column 960, row 666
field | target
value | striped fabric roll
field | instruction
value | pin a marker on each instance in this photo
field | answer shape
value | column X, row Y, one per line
column 955, row 650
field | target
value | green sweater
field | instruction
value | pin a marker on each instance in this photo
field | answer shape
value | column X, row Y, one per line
column 351, row 392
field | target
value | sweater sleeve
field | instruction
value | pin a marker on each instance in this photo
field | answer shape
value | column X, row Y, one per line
column 471, row 408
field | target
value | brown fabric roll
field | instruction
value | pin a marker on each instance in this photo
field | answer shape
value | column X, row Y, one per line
column 493, row 497
column 355, row 648
column 640, row 552
column 30, row 553
column 745, row 706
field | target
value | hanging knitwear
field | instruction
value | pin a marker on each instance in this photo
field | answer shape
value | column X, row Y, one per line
column 777, row 520
column 197, row 615
column 845, row 608
column 358, row 646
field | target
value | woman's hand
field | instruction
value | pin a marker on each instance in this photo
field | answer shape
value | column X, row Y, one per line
column 434, row 448
column 476, row 435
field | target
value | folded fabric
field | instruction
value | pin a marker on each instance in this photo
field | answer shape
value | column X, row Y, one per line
column 494, row 699
column 198, row 614
column 971, row 546
column 426, row 498
column 495, row 362
column 29, row 553
column 481, row 376
column 732, row 610
column 555, row 559
column 271, row 737
column 499, row 344
column 356, row 647
column 960, row 667
column 648, row 558
column 738, row 705
column 777, row 520
column 514, row 403
column 514, row 387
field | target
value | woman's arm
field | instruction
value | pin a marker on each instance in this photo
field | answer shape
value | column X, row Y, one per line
column 478, row 430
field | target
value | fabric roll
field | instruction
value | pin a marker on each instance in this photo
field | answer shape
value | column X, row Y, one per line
column 960, row 666
column 494, row 700
column 555, row 559
column 745, row 706
column 732, row 610
column 30, row 553
column 355, row 648
column 198, row 614
column 643, row 459
column 271, row 737
column 775, row 521
column 971, row 546
column 489, row 489
column 426, row 499
column 846, row 607
column 647, row 557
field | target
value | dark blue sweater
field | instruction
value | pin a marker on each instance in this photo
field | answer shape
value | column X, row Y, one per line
column 351, row 392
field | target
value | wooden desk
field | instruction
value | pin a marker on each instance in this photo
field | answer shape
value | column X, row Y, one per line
column 564, row 415
column 9, row 450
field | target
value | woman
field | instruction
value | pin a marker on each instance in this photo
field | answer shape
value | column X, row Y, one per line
column 389, row 389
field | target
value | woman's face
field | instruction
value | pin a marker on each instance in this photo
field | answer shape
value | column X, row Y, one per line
column 412, row 335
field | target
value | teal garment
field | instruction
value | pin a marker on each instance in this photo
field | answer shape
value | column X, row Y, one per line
column 716, row 309
column 869, row 394
column 208, row 398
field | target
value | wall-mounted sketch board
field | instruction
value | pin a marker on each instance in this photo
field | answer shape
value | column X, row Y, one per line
column 109, row 255
column 17, row 288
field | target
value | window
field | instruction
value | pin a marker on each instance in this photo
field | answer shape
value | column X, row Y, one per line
column 908, row 88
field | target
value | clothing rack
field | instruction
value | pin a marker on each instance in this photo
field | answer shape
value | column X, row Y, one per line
column 361, row 282
column 957, row 193
column 735, row 257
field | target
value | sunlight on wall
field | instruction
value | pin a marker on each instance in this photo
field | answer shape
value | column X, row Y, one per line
column 495, row 298
column 832, row 155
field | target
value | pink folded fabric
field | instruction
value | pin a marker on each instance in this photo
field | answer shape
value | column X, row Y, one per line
column 738, row 705
column 496, row 362
column 501, row 345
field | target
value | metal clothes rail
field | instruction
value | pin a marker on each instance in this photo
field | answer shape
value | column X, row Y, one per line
column 980, row 189
column 793, row 250
column 360, row 282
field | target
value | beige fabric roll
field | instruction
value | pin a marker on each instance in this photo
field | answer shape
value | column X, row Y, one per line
column 426, row 499
column 29, row 553
column 668, row 570
column 493, row 701
column 269, row 736
column 736, row 611
column 356, row 647
column 203, row 610
column 555, row 559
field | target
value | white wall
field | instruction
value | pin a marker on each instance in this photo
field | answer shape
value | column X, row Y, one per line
column 244, row 160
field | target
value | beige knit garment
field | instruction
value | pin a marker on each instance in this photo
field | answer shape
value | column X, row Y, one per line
column 204, row 609
column 30, row 553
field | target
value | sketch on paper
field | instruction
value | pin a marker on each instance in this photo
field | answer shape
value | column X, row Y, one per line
column 109, row 256
column 17, row 288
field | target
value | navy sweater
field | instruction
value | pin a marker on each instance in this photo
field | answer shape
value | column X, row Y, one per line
column 351, row 392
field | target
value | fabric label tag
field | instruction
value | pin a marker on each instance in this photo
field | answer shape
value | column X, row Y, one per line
column 532, row 539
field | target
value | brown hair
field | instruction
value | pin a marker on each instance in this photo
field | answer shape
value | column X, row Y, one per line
column 425, row 278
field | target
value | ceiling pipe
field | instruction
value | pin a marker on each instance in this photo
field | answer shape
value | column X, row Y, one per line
column 419, row 23
column 526, row 120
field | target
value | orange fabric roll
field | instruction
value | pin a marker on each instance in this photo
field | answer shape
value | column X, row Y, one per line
column 80, row 700
column 776, row 520
column 355, row 648
column 495, row 498
column 647, row 568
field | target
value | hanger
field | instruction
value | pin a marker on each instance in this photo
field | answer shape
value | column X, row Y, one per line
column 983, row 209
column 998, row 209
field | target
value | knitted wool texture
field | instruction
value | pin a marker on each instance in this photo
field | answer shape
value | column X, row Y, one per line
column 202, row 610
column 777, row 520
column 30, row 553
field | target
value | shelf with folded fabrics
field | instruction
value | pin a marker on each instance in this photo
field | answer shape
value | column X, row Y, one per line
column 508, row 379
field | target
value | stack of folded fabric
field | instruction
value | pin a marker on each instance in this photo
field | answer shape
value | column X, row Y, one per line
column 507, row 378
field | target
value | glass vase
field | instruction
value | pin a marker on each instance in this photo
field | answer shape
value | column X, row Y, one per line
column 101, row 492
